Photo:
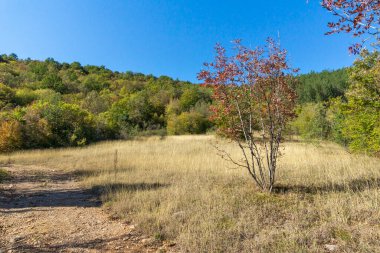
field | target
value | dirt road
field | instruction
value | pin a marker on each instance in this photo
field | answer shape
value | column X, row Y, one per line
column 43, row 210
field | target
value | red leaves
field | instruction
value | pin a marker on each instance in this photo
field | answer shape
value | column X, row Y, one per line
column 358, row 17
column 251, row 88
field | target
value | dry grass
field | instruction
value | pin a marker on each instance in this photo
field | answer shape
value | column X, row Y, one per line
column 178, row 189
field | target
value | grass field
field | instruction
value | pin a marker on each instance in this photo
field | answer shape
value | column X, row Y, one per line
column 178, row 189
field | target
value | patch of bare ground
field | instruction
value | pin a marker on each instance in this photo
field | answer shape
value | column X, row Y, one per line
column 46, row 210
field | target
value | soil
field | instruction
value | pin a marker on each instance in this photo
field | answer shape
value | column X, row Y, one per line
column 46, row 210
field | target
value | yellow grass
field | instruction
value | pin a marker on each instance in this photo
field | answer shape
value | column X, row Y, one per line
column 178, row 189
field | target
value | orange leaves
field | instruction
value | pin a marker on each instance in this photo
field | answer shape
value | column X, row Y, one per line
column 356, row 17
column 10, row 136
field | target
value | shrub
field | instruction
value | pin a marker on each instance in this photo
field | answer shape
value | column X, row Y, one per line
column 10, row 136
column 36, row 129
column 311, row 122
column 69, row 124
column 7, row 95
column 24, row 96
column 187, row 123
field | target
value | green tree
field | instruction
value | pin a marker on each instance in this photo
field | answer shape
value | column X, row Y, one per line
column 69, row 124
column 7, row 96
column 320, row 87
column 311, row 122
column 361, row 125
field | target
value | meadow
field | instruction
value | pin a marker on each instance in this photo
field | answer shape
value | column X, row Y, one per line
column 178, row 189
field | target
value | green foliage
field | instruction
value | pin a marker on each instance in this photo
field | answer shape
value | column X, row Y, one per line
column 192, row 122
column 352, row 120
column 54, row 82
column 70, row 125
column 336, row 120
column 37, row 131
column 94, row 82
column 192, row 95
column 25, row 96
column 96, row 103
column 7, row 96
column 319, row 87
column 361, row 125
column 311, row 122
column 187, row 123
column 48, row 104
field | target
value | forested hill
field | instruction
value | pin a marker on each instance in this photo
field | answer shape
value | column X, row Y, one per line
column 51, row 104
column 47, row 103
column 319, row 87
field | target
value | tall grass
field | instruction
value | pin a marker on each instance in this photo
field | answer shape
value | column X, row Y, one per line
column 178, row 189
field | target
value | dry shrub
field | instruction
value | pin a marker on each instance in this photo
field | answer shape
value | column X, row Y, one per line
column 10, row 136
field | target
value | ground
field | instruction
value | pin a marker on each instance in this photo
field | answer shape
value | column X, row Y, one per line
column 46, row 210
column 176, row 194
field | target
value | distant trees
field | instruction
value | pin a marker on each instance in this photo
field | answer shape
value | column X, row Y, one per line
column 53, row 104
column 320, row 87
column 311, row 122
column 352, row 119
column 355, row 118
column 252, row 94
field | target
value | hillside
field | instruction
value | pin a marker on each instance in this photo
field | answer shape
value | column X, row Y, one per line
column 52, row 104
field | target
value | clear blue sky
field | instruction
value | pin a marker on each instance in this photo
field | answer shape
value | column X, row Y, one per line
column 166, row 37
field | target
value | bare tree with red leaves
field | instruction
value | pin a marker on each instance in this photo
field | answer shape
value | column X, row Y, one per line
column 253, row 100
column 359, row 17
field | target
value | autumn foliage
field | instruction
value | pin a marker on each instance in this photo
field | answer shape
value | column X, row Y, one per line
column 10, row 136
column 358, row 17
column 253, row 93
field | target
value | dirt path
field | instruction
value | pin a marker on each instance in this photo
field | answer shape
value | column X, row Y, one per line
column 44, row 210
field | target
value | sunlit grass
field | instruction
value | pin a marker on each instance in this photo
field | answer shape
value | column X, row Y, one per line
column 178, row 189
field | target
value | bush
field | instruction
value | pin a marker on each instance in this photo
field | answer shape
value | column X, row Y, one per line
column 7, row 96
column 48, row 95
column 36, row 129
column 311, row 122
column 336, row 120
column 69, row 124
column 10, row 136
column 187, row 123
column 24, row 97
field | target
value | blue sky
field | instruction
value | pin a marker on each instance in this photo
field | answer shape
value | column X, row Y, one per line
column 166, row 37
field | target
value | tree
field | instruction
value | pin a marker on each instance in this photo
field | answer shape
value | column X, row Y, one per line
column 311, row 122
column 253, row 92
column 68, row 123
column 359, row 17
column 361, row 124
column 7, row 95
column 320, row 87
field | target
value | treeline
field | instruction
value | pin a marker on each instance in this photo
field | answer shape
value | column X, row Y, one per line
column 51, row 104
column 322, row 86
column 342, row 106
